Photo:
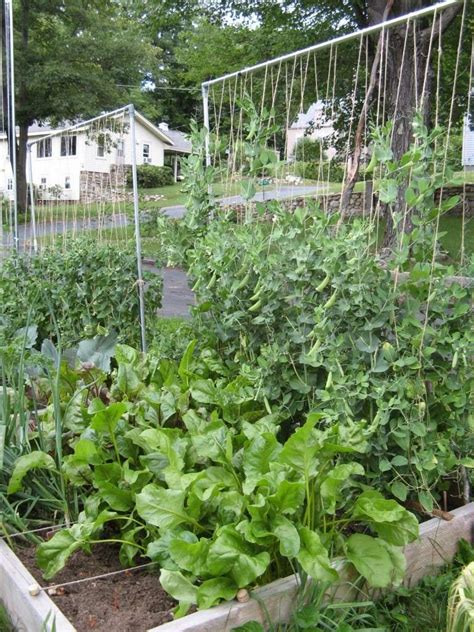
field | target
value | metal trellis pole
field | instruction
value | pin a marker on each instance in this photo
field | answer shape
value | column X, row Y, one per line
column 136, row 214
column 10, row 72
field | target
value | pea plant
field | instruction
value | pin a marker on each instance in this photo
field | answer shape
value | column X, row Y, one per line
column 306, row 311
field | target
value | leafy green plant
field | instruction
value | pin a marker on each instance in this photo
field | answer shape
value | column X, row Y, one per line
column 312, row 318
column 152, row 176
column 85, row 289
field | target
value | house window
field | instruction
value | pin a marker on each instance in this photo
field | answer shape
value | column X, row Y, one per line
column 44, row 148
column 43, row 184
column 9, row 184
column 146, row 153
column 67, row 182
column 100, row 148
column 120, row 148
column 68, row 145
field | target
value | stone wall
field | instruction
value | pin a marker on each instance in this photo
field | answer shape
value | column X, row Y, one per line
column 97, row 186
column 361, row 203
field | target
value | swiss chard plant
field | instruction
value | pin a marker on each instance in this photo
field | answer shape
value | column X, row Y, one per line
column 189, row 468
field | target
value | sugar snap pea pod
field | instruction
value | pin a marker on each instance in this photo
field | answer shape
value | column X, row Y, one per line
column 315, row 347
column 331, row 300
column 323, row 283
column 259, row 290
column 211, row 283
column 244, row 281
column 455, row 360
column 196, row 285
column 256, row 306
column 329, row 381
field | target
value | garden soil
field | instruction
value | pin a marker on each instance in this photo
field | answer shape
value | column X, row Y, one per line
column 129, row 602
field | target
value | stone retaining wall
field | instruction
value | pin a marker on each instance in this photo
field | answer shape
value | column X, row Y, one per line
column 361, row 202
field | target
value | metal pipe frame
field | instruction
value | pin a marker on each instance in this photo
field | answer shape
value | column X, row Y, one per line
column 337, row 40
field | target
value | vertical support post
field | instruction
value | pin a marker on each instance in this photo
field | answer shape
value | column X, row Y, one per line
column 175, row 168
column 32, row 199
column 10, row 72
column 136, row 215
column 207, row 143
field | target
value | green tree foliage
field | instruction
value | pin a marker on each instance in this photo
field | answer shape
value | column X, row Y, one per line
column 73, row 59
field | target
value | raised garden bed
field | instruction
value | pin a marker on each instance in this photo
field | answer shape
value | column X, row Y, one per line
column 133, row 598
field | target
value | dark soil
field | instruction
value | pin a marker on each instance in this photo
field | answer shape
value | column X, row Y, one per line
column 130, row 602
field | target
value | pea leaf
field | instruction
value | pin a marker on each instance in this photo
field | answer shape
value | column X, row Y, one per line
column 25, row 464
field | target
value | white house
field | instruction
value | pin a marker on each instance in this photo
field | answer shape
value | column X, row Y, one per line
column 79, row 164
column 310, row 124
column 468, row 144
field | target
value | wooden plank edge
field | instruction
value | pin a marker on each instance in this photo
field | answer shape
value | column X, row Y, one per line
column 436, row 546
column 33, row 614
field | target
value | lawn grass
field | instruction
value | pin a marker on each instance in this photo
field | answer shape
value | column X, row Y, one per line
column 5, row 624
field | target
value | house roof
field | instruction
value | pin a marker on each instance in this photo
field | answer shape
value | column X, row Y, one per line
column 314, row 113
column 180, row 141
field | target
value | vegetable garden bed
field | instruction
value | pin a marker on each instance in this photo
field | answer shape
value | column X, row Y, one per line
column 436, row 546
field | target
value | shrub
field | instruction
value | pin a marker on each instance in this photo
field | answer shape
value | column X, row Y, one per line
column 330, row 171
column 87, row 287
column 308, row 150
column 151, row 176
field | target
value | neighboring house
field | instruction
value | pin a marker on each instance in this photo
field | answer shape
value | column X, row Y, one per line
column 468, row 144
column 310, row 124
column 82, row 165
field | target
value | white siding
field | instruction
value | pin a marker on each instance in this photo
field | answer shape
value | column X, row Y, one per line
column 468, row 145
column 56, row 168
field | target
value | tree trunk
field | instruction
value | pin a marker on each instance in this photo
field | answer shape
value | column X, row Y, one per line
column 21, row 177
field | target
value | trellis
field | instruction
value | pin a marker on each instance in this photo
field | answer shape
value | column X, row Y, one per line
column 284, row 87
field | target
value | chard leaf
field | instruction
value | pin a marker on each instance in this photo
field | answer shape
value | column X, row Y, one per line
column 178, row 586
column 300, row 449
column 106, row 420
column 314, row 558
column 163, row 508
column 289, row 497
column 288, row 536
column 230, row 554
column 371, row 559
column 190, row 556
column 334, row 482
column 25, row 464
column 262, row 451
column 213, row 590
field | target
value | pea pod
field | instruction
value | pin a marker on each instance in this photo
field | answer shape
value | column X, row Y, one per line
column 329, row 381
column 323, row 283
column 331, row 300
column 455, row 360
column 196, row 285
column 256, row 306
column 259, row 290
column 244, row 281
column 212, row 282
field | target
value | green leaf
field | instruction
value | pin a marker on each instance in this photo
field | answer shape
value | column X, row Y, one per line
column 178, row 586
column 289, row 497
column 230, row 554
column 287, row 534
column 98, row 350
column 262, row 451
column 314, row 558
column 183, row 369
column 106, row 420
column 426, row 499
column 162, row 508
column 400, row 490
column 190, row 556
column 300, row 449
column 25, row 464
column 214, row 590
column 334, row 482
column 370, row 558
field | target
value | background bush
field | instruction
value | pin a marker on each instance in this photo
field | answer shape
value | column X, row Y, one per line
column 309, row 150
column 151, row 176
column 87, row 287
column 329, row 170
